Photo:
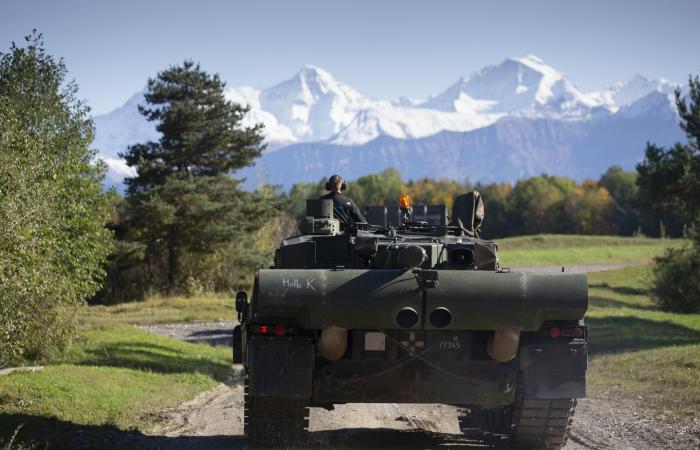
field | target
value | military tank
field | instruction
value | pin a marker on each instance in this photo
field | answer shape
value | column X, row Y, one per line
column 414, row 313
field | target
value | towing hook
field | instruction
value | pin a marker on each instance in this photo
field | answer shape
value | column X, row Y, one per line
column 426, row 279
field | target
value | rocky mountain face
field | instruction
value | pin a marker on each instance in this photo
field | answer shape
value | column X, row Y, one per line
column 512, row 120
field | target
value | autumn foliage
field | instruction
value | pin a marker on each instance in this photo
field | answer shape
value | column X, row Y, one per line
column 540, row 204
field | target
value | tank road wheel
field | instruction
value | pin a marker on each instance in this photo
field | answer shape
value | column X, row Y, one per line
column 273, row 421
column 541, row 423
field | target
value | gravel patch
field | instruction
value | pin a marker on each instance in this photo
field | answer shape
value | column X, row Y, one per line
column 212, row 333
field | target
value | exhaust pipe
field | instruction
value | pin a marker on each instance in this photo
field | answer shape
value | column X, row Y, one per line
column 503, row 344
column 333, row 343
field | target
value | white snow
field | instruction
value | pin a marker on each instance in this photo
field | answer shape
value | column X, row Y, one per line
column 406, row 101
column 519, row 86
column 622, row 94
column 314, row 106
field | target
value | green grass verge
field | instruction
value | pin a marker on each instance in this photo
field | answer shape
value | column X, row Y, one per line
column 574, row 240
column 573, row 249
column 155, row 310
column 114, row 375
column 640, row 352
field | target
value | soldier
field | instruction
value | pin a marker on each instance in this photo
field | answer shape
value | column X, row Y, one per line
column 344, row 209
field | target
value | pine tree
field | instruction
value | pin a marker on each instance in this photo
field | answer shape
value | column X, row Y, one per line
column 670, row 178
column 183, row 199
column 201, row 132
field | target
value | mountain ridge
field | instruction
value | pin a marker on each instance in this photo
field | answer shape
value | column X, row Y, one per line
column 313, row 107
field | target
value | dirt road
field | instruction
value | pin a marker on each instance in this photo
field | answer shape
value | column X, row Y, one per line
column 214, row 420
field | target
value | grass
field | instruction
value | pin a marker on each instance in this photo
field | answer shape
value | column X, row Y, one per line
column 638, row 351
column 550, row 241
column 157, row 310
column 116, row 375
column 572, row 249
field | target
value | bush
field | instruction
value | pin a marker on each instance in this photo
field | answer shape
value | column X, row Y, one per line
column 134, row 274
column 676, row 283
column 52, row 205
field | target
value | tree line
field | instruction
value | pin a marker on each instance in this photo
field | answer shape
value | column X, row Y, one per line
column 613, row 204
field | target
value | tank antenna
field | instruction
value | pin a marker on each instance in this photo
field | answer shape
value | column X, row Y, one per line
column 311, row 151
column 461, row 149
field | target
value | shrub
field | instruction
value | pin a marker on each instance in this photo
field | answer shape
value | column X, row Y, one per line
column 676, row 283
column 52, row 205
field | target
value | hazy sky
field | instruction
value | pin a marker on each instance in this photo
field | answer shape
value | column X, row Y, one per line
column 383, row 48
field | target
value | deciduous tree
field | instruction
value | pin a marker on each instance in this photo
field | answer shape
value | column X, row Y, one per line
column 52, row 204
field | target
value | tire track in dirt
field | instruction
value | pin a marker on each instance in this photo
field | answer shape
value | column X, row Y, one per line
column 598, row 424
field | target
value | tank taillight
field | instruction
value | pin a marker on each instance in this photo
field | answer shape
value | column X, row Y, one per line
column 562, row 332
column 274, row 329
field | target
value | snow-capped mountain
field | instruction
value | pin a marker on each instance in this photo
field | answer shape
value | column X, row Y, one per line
column 524, row 85
column 124, row 126
column 313, row 106
column 532, row 116
column 624, row 94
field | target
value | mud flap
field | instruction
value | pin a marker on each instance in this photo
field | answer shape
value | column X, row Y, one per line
column 280, row 366
column 554, row 370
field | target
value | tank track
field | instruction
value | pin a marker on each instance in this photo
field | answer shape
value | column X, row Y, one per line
column 489, row 425
column 541, row 423
column 273, row 421
column 530, row 424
